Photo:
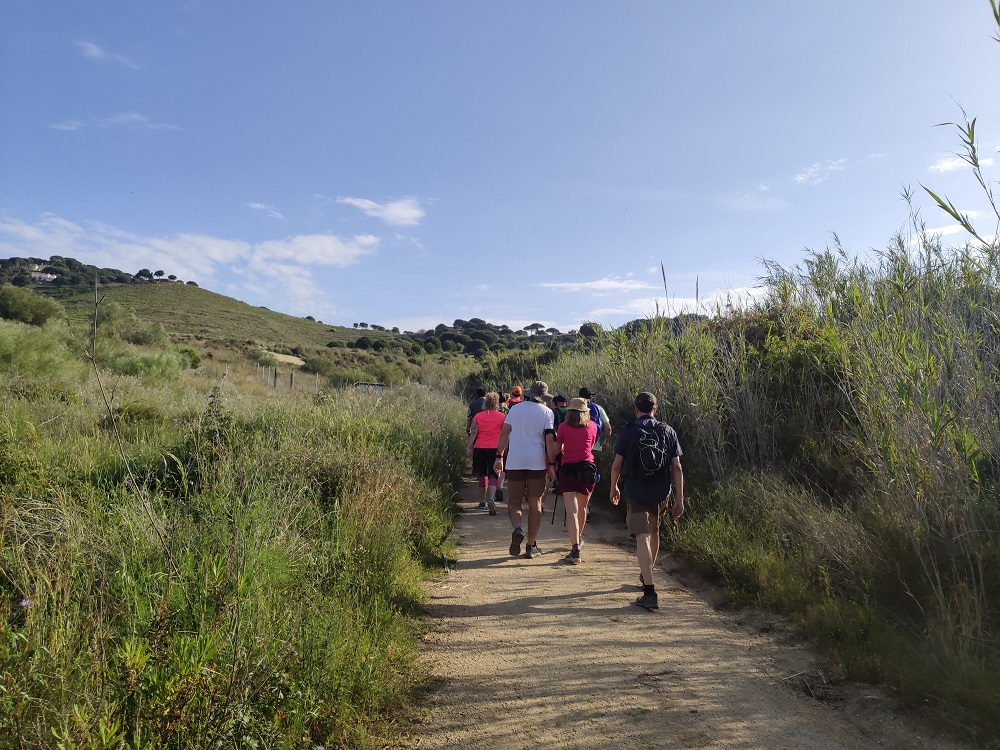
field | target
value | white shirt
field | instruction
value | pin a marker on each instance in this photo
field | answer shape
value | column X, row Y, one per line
column 528, row 422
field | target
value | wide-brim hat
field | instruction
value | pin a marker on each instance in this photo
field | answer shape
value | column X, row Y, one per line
column 539, row 389
column 578, row 404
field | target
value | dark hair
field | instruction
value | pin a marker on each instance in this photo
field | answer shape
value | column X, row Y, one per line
column 645, row 402
column 480, row 392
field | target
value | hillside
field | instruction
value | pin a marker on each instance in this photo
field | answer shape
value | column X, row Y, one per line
column 189, row 311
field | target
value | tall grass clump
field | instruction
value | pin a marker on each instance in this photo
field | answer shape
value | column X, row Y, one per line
column 843, row 447
column 230, row 567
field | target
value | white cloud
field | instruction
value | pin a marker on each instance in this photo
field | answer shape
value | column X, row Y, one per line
column 649, row 306
column 279, row 270
column 268, row 210
column 317, row 249
column 92, row 52
column 752, row 201
column 820, row 172
column 405, row 212
column 952, row 163
column 120, row 119
column 600, row 287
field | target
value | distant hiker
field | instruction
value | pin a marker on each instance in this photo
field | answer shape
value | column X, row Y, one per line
column 504, row 397
column 516, row 396
column 482, row 447
column 475, row 406
column 648, row 453
column 527, row 440
column 599, row 417
column 578, row 472
column 559, row 409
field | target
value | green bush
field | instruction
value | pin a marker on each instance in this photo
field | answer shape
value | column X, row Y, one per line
column 17, row 303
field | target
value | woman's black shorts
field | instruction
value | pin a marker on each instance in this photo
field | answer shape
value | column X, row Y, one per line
column 483, row 460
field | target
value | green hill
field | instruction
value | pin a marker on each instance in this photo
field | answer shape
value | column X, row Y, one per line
column 187, row 311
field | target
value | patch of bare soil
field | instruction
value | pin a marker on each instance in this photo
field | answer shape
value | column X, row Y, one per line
column 288, row 358
column 541, row 654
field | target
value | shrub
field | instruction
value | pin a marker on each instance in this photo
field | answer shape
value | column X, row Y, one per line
column 18, row 303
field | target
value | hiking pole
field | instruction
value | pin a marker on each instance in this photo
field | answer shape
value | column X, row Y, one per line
column 555, row 505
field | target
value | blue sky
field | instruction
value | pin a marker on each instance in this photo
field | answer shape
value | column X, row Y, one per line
column 411, row 163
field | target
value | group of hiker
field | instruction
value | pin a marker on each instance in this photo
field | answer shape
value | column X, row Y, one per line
column 530, row 441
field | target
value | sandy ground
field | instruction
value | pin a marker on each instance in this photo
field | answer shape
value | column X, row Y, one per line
column 287, row 358
column 541, row 654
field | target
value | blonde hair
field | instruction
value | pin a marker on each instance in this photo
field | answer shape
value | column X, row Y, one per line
column 577, row 418
column 492, row 401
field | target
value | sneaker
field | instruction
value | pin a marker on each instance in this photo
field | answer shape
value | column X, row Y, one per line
column 581, row 541
column 515, row 542
column 482, row 505
column 492, row 506
column 499, row 497
column 574, row 556
column 648, row 601
column 532, row 551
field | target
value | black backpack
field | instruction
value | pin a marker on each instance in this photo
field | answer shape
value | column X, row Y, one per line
column 652, row 450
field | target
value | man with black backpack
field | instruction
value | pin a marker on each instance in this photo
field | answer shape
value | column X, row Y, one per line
column 648, row 453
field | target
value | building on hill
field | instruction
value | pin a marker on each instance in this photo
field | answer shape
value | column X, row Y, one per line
column 41, row 276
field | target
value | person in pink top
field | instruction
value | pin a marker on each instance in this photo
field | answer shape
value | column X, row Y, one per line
column 575, row 440
column 484, row 435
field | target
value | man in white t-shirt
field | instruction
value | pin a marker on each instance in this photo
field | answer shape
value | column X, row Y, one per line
column 525, row 440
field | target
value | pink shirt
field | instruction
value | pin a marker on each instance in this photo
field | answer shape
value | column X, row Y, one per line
column 490, row 423
column 577, row 442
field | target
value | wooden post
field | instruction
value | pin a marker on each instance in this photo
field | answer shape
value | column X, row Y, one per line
column 291, row 380
column 274, row 383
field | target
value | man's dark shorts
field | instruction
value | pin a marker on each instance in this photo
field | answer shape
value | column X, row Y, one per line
column 519, row 480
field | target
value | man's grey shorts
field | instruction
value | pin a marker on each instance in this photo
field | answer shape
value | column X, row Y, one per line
column 644, row 520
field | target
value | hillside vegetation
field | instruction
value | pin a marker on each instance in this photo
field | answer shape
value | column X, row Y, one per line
column 189, row 558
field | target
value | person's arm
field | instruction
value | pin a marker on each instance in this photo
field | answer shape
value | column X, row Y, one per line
column 678, row 475
column 550, row 453
column 616, row 472
column 502, row 444
column 473, row 433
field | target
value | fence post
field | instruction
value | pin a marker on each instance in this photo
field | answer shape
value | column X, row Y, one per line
column 291, row 380
column 274, row 383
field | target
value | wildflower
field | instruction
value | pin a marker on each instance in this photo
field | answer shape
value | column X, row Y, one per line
column 298, row 693
column 26, row 602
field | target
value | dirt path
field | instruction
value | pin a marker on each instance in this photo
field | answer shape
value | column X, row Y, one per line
column 543, row 655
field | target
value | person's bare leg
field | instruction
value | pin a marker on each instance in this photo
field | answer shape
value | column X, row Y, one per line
column 644, row 552
column 572, row 517
column 534, row 518
column 582, row 502
column 514, row 512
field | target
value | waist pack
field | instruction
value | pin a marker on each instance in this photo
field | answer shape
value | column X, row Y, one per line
column 584, row 471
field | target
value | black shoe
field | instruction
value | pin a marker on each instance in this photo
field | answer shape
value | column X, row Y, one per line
column 499, row 497
column 532, row 551
column 573, row 558
column 648, row 601
column 515, row 542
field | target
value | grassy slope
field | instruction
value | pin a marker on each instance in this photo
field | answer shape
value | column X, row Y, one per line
column 191, row 311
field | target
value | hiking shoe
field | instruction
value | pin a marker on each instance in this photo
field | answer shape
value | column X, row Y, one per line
column 482, row 505
column 532, row 551
column 499, row 497
column 648, row 601
column 573, row 558
column 492, row 506
column 515, row 542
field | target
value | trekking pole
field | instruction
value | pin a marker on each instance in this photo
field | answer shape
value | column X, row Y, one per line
column 555, row 504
